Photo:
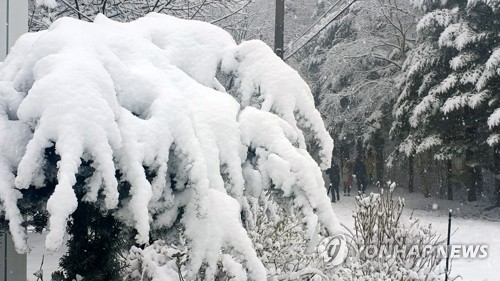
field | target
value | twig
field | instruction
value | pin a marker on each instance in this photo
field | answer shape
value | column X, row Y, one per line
column 73, row 8
column 232, row 13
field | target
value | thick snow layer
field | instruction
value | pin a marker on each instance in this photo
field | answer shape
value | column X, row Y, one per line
column 462, row 60
column 460, row 101
column 279, row 90
column 458, row 36
column 494, row 119
column 492, row 70
column 437, row 19
column 426, row 106
column 428, row 143
column 142, row 98
column 408, row 146
column 273, row 138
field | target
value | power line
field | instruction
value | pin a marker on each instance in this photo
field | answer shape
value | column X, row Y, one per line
column 323, row 28
column 314, row 24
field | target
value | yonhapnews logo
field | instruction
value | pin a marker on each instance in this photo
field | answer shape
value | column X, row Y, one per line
column 337, row 250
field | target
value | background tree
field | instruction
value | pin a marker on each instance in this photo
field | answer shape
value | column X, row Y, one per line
column 449, row 99
column 41, row 16
column 244, row 19
column 353, row 67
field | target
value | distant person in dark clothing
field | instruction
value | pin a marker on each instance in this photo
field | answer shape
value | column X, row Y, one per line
column 334, row 175
column 360, row 173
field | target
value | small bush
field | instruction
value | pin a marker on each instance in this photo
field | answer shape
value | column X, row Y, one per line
column 383, row 246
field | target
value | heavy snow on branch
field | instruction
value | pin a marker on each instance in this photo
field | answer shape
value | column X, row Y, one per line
column 141, row 98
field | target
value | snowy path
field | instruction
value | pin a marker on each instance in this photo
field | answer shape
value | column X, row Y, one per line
column 468, row 230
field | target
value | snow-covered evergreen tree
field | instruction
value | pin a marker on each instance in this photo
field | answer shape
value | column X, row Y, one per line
column 131, row 118
column 449, row 99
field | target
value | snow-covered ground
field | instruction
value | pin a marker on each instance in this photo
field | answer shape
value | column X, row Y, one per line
column 470, row 225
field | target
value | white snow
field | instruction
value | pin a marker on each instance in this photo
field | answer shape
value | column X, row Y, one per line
column 460, row 101
column 471, row 76
column 144, row 95
column 454, row 103
column 408, row 146
column 218, row 230
column 494, row 119
column 462, row 60
column 437, row 18
column 426, row 106
column 445, row 85
column 491, row 70
column 458, row 36
column 428, row 143
column 493, row 139
column 273, row 139
column 280, row 92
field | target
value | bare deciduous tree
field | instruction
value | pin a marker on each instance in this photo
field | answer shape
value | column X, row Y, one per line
column 127, row 10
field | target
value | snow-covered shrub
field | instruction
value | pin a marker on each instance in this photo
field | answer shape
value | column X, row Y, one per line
column 158, row 261
column 385, row 247
column 167, row 147
column 284, row 248
column 163, row 261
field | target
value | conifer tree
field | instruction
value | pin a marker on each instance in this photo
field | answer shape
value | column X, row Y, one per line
column 449, row 99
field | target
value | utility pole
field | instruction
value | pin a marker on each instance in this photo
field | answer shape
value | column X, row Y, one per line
column 279, row 26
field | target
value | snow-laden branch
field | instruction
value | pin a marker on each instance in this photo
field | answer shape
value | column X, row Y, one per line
column 140, row 104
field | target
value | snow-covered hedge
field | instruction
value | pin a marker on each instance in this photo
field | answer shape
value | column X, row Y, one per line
column 168, row 145
column 385, row 246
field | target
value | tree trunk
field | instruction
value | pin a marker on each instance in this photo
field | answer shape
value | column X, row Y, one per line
column 442, row 179
column 470, row 178
column 410, row 172
column 471, row 186
column 496, row 173
column 478, row 180
column 424, row 175
column 344, row 154
column 449, row 182
column 359, row 148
